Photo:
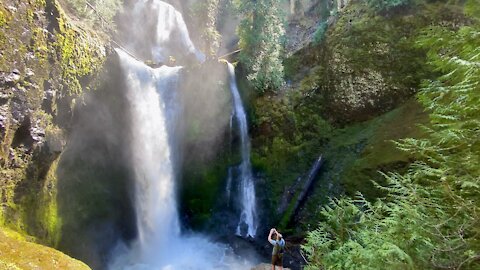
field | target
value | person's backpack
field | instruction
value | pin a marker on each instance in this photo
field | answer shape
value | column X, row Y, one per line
column 280, row 249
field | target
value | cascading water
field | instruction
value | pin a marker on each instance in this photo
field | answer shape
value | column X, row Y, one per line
column 159, row 32
column 154, row 111
column 247, row 226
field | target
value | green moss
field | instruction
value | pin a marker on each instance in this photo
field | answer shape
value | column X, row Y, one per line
column 8, row 266
column 5, row 16
column 47, row 213
column 356, row 154
column 16, row 253
column 200, row 190
column 79, row 56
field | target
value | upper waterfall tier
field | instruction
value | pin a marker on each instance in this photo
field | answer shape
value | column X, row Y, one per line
column 159, row 33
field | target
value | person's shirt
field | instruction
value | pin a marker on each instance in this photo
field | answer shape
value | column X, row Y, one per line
column 278, row 245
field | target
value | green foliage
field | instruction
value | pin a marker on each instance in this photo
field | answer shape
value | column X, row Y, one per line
column 3, row 17
column 289, row 135
column 105, row 8
column 429, row 217
column 211, row 35
column 386, row 5
column 261, row 35
column 320, row 32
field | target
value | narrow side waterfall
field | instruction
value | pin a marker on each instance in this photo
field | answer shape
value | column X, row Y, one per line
column 247, row 226
column 154, row 114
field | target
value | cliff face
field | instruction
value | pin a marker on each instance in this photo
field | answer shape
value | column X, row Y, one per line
column 17, row 253
column 46, row 63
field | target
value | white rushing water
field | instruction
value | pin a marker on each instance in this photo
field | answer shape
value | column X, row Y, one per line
column 247, row 226
column 154, row 108
column 170, row 38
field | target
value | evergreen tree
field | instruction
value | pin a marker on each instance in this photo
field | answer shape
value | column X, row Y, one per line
column 261, row 35
column 205, row 14
column 105, row 8
column 430, row 218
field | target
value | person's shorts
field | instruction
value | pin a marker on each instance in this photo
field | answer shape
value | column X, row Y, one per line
column 277, row 259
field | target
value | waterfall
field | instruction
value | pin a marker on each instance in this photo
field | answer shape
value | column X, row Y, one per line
column 154, row 108
column 159, row 32
column 150, row 93
column 247, row 226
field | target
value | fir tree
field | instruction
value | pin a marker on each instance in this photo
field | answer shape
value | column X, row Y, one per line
column 261, row 35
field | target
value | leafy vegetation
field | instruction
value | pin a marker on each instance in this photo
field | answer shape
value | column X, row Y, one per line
column 105, row 8
column 210, row 34
column 429, row 217
column 261, row 35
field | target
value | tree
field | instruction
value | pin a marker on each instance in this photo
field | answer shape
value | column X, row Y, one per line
column 105, row 8
column 261, row 35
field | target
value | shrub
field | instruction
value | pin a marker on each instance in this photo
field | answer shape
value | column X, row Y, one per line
column 261, row 35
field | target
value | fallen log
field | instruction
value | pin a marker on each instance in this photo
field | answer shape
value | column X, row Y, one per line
column 308, row 183
column 294, row 196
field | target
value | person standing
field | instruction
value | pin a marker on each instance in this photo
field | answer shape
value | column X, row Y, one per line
column 278, row 247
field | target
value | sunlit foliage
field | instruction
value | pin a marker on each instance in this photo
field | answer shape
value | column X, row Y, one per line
column 261, row 35
column 102, row 12
column 205, row 15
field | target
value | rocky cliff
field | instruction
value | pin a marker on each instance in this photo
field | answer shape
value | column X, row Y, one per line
column 47, row 61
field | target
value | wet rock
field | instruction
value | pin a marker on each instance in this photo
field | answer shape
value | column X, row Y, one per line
column 3, row 124
column 12, row 9
column 38, row 134
column 12, row 78
column 19, row 110
column 29, row 73
column 55, row 143
column 49, row 96
column 265, row 266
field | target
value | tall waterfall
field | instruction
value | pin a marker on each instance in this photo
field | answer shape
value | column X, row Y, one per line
column 151, row 94
column 247, row 226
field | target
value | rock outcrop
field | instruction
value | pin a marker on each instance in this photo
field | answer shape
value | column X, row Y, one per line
column 46, row 63
column 16, row 254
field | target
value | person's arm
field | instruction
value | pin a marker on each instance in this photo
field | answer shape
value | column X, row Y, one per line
column 270, row 236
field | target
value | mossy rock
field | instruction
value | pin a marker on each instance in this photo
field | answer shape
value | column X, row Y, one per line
column 368, row 63
column 17, row 253
column 358, row 154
